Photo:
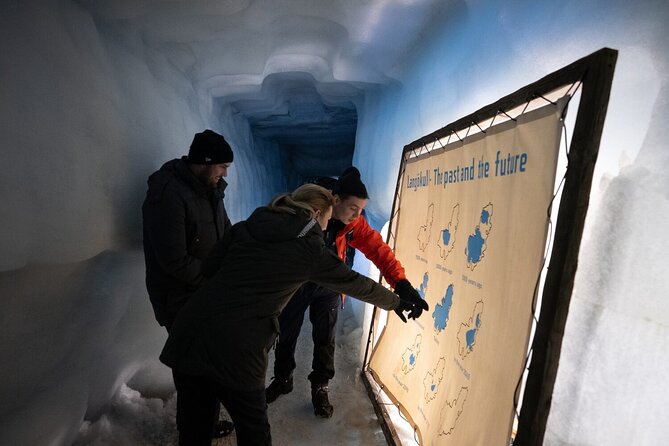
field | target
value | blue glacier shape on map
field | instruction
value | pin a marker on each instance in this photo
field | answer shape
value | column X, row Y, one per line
column 471, row 334
column 474, row 247
column 423, row 286
column 412, row 359
column 471, row 338
column 446, row 236
column 443, row 309
column 432, row 387
column 484, row 217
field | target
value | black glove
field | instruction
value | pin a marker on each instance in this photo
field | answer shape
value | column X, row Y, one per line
column 410, row 300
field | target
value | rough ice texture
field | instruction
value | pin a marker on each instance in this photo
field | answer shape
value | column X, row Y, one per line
column 614, row 359
column 96, row 95
column 72, row 334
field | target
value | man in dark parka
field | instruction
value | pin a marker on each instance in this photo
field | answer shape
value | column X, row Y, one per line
column 184, row 216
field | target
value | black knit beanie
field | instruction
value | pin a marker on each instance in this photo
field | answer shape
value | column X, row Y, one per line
column 349, row 183
column 209, row 147
column 327, row 182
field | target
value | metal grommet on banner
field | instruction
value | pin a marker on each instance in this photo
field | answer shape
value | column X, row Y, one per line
column 477, row 125
column 576, row 86
column 378, row 394
column 468, row 129
column 547, row 100
column 492, row 122
column 502, row 112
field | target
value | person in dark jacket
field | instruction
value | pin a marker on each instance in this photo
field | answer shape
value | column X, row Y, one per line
column 183, row 217
column 347, row 230
column 219, row 342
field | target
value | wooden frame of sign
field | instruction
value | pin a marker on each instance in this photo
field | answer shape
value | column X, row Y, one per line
column 595, row 72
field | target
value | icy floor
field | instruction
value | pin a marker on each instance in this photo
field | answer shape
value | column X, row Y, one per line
column 150, row 420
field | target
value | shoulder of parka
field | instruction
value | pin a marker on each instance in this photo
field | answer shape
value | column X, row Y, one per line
column 167, row 183
column 316, row 241
column 316, row 246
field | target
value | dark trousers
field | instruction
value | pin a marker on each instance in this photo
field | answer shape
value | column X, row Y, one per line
column 323, row 307
column 217, row 409
column 197, row 411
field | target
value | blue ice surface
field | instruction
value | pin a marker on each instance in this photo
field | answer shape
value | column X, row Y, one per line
column 412, row 359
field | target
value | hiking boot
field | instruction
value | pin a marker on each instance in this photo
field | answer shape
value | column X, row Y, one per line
column 319, row 398
column 278, row 387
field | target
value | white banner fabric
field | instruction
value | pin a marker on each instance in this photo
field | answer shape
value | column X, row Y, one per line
column 470, row 230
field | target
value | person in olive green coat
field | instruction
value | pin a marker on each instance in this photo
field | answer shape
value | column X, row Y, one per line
column 220, row 339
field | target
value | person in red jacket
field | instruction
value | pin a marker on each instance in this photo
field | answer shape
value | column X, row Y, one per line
column 346, row 228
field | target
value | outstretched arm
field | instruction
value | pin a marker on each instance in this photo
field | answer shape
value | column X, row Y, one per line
column 330, row 272
column 369, row 242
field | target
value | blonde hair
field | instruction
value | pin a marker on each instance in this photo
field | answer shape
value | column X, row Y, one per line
column 309, row 198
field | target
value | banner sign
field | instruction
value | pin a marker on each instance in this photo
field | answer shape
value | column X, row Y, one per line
column 470, row 230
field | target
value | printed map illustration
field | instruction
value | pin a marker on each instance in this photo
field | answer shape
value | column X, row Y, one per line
column 471, row 234
column 422, row 289
column 411, row 354
column 476, row 243
column 447, row 235
column 442, row 310
column 469, row 331
column 425, row 230
column 432, row 380
column 451, row 412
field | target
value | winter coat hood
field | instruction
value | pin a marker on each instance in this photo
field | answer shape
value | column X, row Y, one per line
column 178, row 168
column 268, row 226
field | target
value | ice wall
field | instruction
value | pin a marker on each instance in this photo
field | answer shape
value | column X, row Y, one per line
column 480, row 51
column 616, row 346
column 86, row 115
column 80, row 128
column 71, row 335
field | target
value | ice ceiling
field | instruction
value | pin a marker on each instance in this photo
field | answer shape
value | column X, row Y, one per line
column 296, row 70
